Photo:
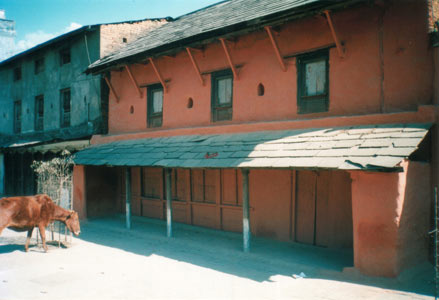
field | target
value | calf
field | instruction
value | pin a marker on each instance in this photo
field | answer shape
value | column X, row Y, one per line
column 23, row 213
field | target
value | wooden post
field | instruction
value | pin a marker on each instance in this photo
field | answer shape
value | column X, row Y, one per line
column 128, row 197
column 246, row 233
column 168, row 202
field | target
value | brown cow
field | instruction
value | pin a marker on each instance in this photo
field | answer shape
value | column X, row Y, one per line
column 23, row 213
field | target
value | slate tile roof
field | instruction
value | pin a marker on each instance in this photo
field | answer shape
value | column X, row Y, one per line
column 212, row 21
column 375, row 147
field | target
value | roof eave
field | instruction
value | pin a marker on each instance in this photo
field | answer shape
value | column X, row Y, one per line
column 228, row 31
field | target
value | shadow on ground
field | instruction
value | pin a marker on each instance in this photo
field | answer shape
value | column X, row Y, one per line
column 222, row 251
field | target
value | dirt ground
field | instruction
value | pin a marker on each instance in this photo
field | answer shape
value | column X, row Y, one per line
column 110, row 262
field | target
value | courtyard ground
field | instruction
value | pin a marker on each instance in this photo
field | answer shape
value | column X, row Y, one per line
column 110, row 262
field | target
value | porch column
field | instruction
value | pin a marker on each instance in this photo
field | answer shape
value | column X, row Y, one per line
column 2, row 174
column 391, row 214
column 79, row 191
column 168, row 202
column 246, row 232
column 128, row 197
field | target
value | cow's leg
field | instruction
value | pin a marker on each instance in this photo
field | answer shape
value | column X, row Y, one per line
column 43, row 236
column 29, row 235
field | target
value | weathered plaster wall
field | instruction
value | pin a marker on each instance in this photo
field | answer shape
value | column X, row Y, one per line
column 391, row 220
column 85, row 89
column 389, row 71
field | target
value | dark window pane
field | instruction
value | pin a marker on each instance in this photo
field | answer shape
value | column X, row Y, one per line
column 65, row 56
column 65, row 108
column 155, row 105
column 39, row 113
column 17, row 73
column 222, row 95
column 17, row 116
column 313, row 82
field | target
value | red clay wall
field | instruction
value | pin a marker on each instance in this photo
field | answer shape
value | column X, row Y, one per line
column 391, row 219
column 388, row 67
column 213, row 198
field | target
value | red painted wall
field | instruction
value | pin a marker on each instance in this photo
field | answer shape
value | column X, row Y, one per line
column 387, row 67
column 391, row 220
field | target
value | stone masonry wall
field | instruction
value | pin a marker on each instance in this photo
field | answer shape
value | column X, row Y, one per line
column 116, row 36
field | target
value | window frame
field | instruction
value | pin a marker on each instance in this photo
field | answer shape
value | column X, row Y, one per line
column 215, row 105
column 62, row 54
column 39, row 65
column 17, row 112
column 150, row 101
column 17, row 73
column 39, row 121
column 64, row 124
column 304, row 106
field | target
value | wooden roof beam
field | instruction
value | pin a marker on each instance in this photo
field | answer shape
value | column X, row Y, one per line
column 229, row 59
column 134, row 81
column 194, row 63
column 111, row 88
column 276, row 48
column 340, row 48
column 159, row 76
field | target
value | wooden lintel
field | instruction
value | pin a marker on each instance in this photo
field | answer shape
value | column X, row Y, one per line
column 133, row 80
column 229, row 59
column 194, row 63
column 158, row 75
column 111, row 89
column 276, row 48
column 340, row 48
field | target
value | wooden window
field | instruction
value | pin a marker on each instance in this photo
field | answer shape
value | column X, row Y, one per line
column 17, row 73
column 222, row 95
column 17, row 116
column 180, row 183
column 39, row 113
column 65, row 107
column 65, row 56
column 155, row 105
column 313, row 82
column 151, row 182
column 39, row 65
column 204, row 185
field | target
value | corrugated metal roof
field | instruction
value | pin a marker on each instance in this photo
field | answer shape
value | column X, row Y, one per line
column 215, row 20
column 350, row 148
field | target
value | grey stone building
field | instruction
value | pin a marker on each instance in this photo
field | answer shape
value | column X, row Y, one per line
column 48, row 103
column 7, row 35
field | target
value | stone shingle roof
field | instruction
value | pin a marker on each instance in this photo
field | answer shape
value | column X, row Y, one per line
column 216, row 20
column 349, row 148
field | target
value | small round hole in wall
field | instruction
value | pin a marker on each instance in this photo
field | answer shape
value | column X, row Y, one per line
column 131, row 109
column 51, row 105
column 261, row 89
column 190, row 103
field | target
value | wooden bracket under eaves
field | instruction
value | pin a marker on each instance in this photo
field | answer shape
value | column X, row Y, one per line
column 165, row 89
column 111, row 88
column 229, row 58
column 194, row 63
column 276, row 48
column 134, row 81
column 340, row 48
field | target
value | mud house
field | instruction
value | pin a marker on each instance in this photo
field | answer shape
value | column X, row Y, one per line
column 48, row 104
column 305, row 121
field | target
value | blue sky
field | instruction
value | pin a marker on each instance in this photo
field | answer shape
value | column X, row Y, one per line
column 39, row 20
